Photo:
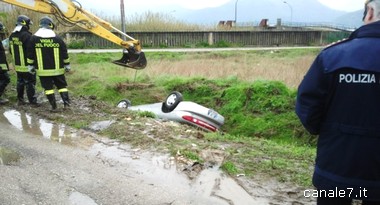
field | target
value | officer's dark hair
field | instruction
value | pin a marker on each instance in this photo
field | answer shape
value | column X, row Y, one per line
column 23, row 20
column 1, row 27
column 47, row 22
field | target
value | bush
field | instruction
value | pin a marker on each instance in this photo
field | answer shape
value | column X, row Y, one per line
column 222, row 44
column 76, row 44
column 262, row 109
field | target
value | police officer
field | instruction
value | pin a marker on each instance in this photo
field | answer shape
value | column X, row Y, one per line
column 18, row 42
column 48, row 57
column 339, row 100
column 4, row 76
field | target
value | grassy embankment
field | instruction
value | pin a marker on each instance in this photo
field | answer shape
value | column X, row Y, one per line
column 254, row 90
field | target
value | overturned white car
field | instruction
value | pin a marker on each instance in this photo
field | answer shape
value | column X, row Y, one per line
column 175, row 109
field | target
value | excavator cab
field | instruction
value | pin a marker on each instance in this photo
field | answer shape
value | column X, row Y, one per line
column 132, row 59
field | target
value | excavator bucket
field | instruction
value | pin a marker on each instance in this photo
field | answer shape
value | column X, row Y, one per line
column 132, row 59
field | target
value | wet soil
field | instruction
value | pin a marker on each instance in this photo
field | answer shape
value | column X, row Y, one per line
column 140, row 143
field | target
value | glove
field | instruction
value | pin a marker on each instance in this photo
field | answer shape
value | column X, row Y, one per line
column 5, row 43
column 67, row 68
column 31, row 69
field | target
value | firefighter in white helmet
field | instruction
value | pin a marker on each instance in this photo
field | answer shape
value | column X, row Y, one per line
column 48, row 57
column 18, row 41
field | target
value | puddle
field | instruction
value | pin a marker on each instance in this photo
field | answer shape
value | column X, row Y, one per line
column 8, row 156
column 210, row 186
column 77, row 198
column 40, row 127
column 101, row 125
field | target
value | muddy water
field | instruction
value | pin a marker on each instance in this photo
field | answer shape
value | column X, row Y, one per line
column 210, row 184
column 8, row 156
column 39, row 127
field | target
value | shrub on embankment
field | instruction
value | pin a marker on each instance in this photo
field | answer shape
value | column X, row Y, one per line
column 259, row 108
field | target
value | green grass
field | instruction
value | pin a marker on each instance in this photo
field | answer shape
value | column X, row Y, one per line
column 262, row 109
column 146, row 114
column 191, row 155
column 229, row 167
column 254, row 156
column 261, row 133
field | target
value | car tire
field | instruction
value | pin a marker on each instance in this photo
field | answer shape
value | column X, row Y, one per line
column 124, row 104
column 171, row 102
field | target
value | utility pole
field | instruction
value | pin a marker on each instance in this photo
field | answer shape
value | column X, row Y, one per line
column 236, row 11
column 291, row 11
column 122, row 14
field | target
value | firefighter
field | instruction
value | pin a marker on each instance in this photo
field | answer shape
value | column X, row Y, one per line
column 18, row 41
column 48, row 57
column 4, row 76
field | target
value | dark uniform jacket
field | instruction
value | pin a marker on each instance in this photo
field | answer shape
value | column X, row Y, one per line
column 18, row 42
column 48, row 55
column 3, row 60
column 339, row 99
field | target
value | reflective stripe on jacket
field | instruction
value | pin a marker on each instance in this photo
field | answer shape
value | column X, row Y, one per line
column 18, row 42
column 48, row 55
column 4, row 66
column 22, row 69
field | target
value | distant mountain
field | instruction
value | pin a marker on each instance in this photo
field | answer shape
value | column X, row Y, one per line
column 352, row 19
column 301, row 11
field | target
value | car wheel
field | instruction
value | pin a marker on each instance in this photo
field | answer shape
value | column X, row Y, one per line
column 124, row 104
column 171, row 102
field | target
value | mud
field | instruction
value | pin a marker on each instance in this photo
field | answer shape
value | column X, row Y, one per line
column 203, row 180
column 77, row 198
column 8, row 156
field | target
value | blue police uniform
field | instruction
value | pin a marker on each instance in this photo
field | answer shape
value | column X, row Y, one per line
column 339, row 100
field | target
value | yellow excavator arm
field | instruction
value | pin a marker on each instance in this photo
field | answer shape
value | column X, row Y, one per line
column 72, row 12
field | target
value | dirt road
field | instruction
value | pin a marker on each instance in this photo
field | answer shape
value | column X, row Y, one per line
column 48, row 163
column 91, row 170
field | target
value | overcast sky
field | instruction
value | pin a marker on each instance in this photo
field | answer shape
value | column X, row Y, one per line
column 157, row 5
column 345, row 5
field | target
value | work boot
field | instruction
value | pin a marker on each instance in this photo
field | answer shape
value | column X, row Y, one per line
column 65, row 99
column 52, row 102
column 20, row 94
column 33, row 102
column 20, row 101
column 31, row 93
